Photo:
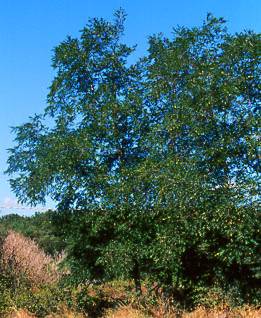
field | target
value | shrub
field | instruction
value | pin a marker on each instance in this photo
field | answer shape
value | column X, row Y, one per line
column 22, row 256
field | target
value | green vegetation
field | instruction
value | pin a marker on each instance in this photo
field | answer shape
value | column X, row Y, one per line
column 153, row 165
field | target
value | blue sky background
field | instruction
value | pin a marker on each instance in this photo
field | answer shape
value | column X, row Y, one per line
column 29, row 30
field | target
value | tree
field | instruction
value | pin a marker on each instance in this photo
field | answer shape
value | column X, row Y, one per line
column 154, row 165
column 91, row 128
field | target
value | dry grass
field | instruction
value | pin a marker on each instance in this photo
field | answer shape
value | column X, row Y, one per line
column 237, row 313
column 129, row 312
column 66, row 313
column 20, row 314
column 63, row 313
column 125, row 312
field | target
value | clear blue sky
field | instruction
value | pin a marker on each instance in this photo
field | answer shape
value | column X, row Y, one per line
column 29, row 30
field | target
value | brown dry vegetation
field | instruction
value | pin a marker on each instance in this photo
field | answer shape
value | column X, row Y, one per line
column 130, row 312
column 23, row 256
column 158, row 312
column 20, row 314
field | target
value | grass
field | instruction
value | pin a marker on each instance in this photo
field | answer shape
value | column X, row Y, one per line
column 130, row 312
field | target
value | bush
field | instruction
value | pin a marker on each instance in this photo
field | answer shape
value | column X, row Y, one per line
column 22, row 256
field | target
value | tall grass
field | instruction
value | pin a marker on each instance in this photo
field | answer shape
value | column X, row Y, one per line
column 129, row 312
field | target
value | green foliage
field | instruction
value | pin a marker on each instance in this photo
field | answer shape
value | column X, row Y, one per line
column 185, row 254
column 95, row 107
column 44, row 300
column 40, row 301
column 154, row 166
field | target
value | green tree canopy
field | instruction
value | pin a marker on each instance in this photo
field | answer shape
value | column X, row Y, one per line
column 186, row 116
column 162, row 155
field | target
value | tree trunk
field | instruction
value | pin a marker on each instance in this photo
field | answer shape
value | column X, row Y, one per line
column 136, row 277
